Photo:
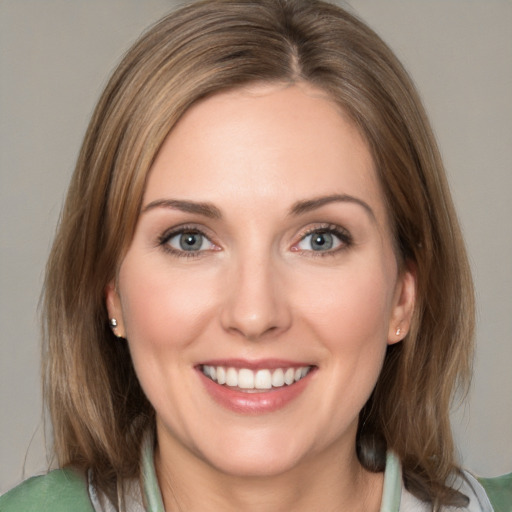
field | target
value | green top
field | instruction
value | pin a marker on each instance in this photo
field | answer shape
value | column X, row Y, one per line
column 499, row 491
column 65, row 490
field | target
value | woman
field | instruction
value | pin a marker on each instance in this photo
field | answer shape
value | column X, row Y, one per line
column 258, row 288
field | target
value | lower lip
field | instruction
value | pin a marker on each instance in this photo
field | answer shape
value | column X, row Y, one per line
column 254, row 402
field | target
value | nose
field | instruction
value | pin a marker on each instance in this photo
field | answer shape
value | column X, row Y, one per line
column 255, row 306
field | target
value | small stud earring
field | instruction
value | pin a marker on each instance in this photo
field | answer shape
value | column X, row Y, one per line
column 398, row 331
column 113, row 325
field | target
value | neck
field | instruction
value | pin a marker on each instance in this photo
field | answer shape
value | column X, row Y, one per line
column 322, row 482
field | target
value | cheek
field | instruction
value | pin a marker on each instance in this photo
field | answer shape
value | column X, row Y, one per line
column 350, row 318
column 349, row 309
column 164, row 309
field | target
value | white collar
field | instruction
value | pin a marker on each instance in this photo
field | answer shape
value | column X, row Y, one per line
column 395, row 498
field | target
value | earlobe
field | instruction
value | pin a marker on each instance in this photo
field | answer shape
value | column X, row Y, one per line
column 115, row 314
column 403, row 308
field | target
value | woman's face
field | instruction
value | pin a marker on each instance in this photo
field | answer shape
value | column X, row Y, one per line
column 261, row 288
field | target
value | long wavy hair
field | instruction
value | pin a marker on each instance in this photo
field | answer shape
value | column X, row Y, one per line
column 97, row 407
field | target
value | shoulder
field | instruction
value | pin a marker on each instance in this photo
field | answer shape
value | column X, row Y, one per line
column 467, row 484
column 478, row 499
column 58, row 491
column 499, row 491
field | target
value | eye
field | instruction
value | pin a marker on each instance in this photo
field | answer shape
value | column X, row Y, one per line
column 325, row 239
column 186, row 241
column 319, row 241
column 189, row 241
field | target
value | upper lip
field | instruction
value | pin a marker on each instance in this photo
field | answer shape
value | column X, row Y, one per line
column 256, row 364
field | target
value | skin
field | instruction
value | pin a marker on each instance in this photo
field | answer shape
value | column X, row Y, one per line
column 256, row 290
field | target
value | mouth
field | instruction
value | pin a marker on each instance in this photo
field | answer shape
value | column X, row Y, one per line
column 256, row 387
column 254, row 381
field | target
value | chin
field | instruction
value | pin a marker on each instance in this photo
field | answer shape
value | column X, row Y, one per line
column 255, row 467
column 258, row 455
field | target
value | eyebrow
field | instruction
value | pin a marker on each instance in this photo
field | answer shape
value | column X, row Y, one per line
column 301, row 207
column 205, row 209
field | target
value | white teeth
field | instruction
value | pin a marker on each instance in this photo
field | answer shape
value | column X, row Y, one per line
column 263, row 379
column 244, row 378
column 289, row 376
column 231, row 377
column 278, row 378
column 221, row 375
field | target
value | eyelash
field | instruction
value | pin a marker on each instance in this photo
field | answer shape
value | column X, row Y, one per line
column 163, row 241
column 342, row 234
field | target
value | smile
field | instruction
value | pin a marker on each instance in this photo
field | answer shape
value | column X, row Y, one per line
column 248, row 380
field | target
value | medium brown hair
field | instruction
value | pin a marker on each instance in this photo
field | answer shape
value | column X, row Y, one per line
column 98, row 409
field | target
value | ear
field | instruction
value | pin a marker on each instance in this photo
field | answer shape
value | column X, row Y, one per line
column 403, row 305
column 113, row 302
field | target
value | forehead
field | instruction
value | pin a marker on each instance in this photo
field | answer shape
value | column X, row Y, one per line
column 261, row 144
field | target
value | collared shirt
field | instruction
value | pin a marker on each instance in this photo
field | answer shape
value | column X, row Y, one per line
column 395, row 498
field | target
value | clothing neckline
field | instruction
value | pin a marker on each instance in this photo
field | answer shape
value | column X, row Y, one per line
column 391, row 493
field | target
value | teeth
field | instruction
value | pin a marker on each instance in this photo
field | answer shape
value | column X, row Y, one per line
column 278, row 378
column 244, row 378
column 221, row 375
column 289, row 376
column 231, row 377
column 263, row 379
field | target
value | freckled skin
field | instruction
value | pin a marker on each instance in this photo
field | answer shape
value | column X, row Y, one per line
column 257, row 289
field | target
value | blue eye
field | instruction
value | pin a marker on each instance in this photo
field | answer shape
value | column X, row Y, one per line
column 324, row 240
column 188, row 241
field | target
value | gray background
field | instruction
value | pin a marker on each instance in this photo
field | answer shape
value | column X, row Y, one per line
column 55, row 57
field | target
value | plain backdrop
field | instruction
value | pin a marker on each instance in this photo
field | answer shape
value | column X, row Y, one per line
column 55, row 57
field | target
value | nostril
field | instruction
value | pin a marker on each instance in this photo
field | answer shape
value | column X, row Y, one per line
column 255, row 306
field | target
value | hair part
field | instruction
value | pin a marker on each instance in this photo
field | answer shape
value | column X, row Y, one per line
column 97, row 406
